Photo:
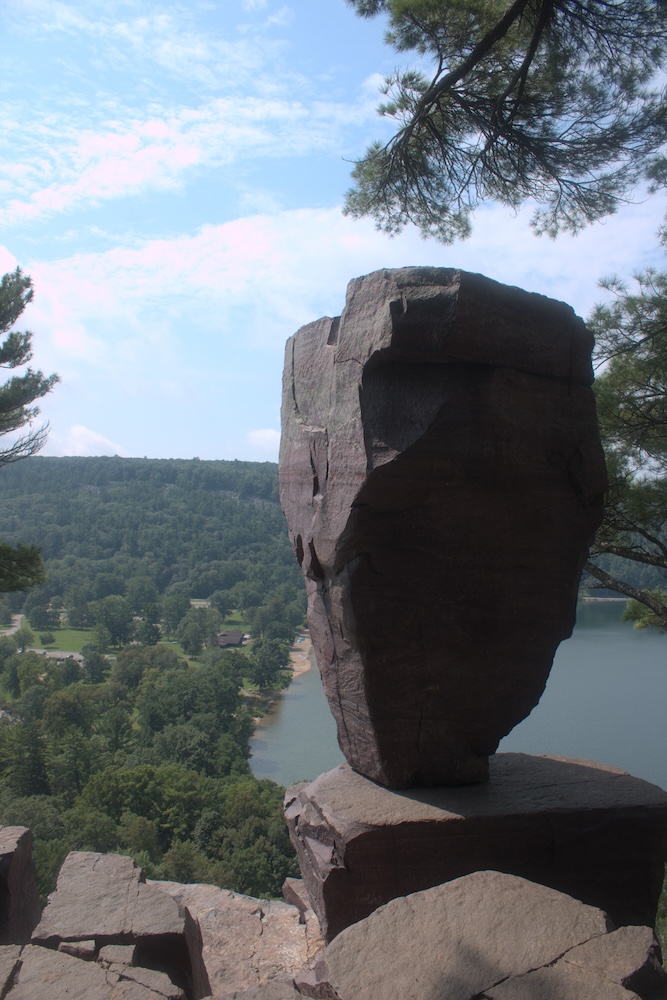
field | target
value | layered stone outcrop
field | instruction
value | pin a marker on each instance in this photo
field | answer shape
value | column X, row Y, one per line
column 583, row 828
column 249, row 945
column 442, row 477
column 488, row 936
column 102, row 903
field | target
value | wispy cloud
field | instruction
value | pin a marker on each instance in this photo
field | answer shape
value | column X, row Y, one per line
column 190, row 330
column 80, row 440
column 158, row 36
column 284, row 269
column 64, row 167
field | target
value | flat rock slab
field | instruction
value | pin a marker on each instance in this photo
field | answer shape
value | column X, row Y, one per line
column 45, row 974
column 248, row 943
column 104, row 898
column 486, row 935
column 19, row 898
column 439, row 449
column 131, row 908
column 584, row 828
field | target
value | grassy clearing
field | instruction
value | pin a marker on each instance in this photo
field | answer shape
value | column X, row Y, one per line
column 235, row 619
column 68, row 640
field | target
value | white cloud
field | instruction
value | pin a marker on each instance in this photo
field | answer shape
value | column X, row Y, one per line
column 184, row 337
column 64, row 166
column 284, row 269
column 80, row 440
column 8, row 261
column 264, row 444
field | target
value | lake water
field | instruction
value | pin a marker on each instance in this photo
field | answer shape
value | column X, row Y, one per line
column 606, row 700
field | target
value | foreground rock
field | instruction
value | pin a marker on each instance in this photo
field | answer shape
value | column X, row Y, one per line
column 248, row 944
column 439, row 450
column 487, row 936
column 43, row 974
column 19, row 899
column 102, row 900
column 583, row 828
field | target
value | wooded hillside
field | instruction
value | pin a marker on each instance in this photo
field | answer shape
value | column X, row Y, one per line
column 135, row 748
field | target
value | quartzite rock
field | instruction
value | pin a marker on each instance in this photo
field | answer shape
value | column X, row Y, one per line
column 19, row 898
column 442, row 477
column 247, row 943
column 486, row 935
column 104, row 897
column 586, row 829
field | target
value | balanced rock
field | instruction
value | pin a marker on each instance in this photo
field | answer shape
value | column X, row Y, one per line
column 487, row 936
column 583, row 828
column 442, row 477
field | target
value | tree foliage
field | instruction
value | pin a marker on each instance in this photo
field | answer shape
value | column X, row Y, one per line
column 150, row 759
column 145, row 753
column 631, row 343
column 21, row 565
column 554, row 101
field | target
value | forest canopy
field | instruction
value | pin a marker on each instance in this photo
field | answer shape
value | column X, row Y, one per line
column 134, row 747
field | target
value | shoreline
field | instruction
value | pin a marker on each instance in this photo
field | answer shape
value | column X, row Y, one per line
column 300, row 663
column 299, row 654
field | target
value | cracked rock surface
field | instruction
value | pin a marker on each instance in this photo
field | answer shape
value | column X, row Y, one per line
column 487, row 936
column 570, row 824
column 439, row 450
column 105, row 933
column 19, row 898
column 248, row 944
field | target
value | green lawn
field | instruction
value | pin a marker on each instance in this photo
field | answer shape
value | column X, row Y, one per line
column 235, row 619
column 69, row 640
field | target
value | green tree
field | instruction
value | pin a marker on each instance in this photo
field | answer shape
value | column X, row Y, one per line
column 631, row 341
column 41, row 617
column 196, row 629
column 22, row 759
column 222, row 602
column 77, row 608
column 114, row 613
column 268, row 657
column 30, row 669
column 20, row 566
column 23, row 637
column 174, row 607
column 556, row 102
column 142, row 594
column 95, row 665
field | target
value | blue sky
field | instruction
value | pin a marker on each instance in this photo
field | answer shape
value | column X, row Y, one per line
column 171, row 176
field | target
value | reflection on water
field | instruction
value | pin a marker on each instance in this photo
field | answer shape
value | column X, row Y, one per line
column 606, row 700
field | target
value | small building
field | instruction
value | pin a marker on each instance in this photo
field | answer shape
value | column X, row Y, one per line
column 232, row 637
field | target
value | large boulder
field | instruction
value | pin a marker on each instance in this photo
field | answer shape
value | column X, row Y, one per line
column 102, row 900
column 442, row 477
column 19, row 898
column 248, row 944
column 586, row 829
column 487, row 936
column 43, row 974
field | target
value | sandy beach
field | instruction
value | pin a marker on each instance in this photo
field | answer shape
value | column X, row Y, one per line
column 300, row 655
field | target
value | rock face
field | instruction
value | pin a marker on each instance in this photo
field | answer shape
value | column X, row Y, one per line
column 19, row 899
column 248, row 944
column 487, row 936
column 439, row 450
column 102, row 900
column 591, row 831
